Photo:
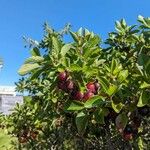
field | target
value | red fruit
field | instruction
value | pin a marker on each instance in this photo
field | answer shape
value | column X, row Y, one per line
column 88, row 95
column 69, row 85
column 128, row 136
column 62, row 76
column 91, row 87
column 78, row 95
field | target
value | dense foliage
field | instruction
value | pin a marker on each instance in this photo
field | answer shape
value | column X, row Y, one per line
column 86, row 94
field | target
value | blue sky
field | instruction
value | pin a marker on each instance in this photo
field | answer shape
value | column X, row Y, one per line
column 26, row 17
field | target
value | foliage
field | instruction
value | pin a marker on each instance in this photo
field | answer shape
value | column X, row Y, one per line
column 84, row 96
column 6, row 141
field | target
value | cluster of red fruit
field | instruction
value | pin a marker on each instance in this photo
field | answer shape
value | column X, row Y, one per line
column 69, row 86
column 26, row 135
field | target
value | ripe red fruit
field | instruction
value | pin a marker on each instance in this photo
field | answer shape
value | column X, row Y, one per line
column 128, row 133
column 62, row 76
column 91, row 87
column 78, row 95
column 88, row 95
column 128, row 136
column 69, row 85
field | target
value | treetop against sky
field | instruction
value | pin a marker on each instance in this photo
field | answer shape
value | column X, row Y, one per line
column 26, row 18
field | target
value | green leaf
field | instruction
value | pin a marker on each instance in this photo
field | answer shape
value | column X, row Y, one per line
column 118, row 26
column 65, row 49
column 27, row 68
column 81, row 122
column 35, row 52
column 100, row 114
column 73, row 105
column 112, row 89
column 117, row 69
column 80, row 31
column 87, row 32
column 140, row 143
column 36, row 73
column 93, row 102
column 144, row 61
column 144, row 21
column 75, row 67
column 104, row 83
column 117, row 107
column 144, row 85
column 74, row 36
column 144, row 99
column 123, row 23
column 27, row 98
column 113, row 65
column 56, row 45
column 34, row 59
column 123, row 75
column 6, row 140
column 121, row 121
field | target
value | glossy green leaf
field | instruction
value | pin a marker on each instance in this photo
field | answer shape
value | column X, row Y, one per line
column 144, row 85
column 94, row 102
column 75, row 67
column 113, row 65
column 73, row 105
column 144, row 61
column 81, row 122
column 144, row 99
column 121, row 121
column 104, row 83
column 117, row 107
column 100, row 114
column 65, row 49
column 123, row 75
column 144, row 21
column 56, row 45
column 34, row 59
column 80, row 31
column 140, row 143
column 117, row 69
column 112, row 89
column 74, row 36
column 27, row 68
column 35, row 52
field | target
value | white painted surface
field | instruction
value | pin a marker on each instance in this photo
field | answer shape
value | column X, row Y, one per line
column 7, row 90
column 7, row 103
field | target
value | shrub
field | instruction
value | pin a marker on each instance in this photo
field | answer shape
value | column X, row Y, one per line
column 86, row 94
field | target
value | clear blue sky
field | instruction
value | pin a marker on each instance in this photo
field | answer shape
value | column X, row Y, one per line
column 26, row 17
